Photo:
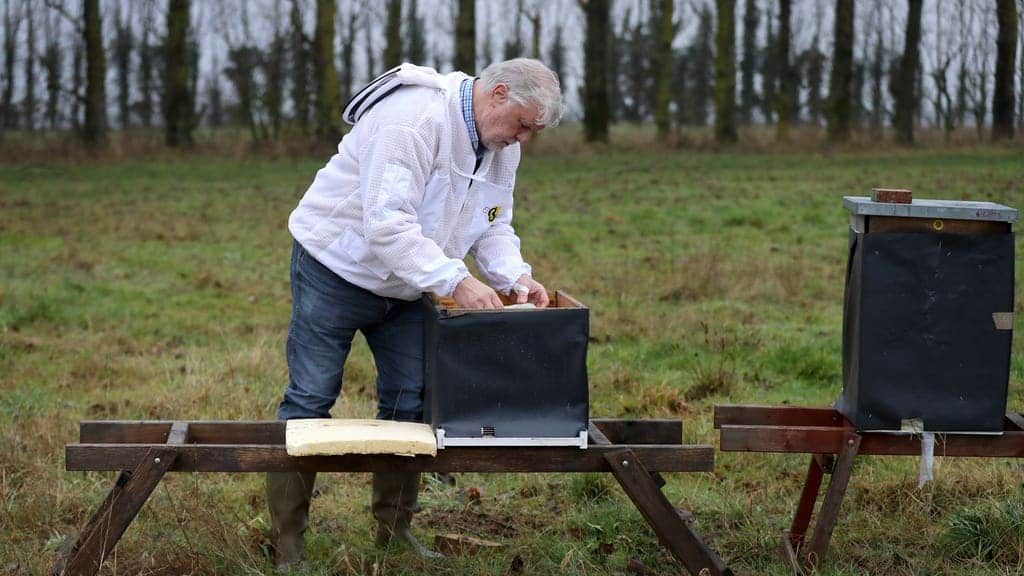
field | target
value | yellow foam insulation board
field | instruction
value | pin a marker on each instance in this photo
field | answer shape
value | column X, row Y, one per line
column 335, row 436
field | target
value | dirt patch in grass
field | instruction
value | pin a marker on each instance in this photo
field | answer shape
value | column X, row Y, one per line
column 471, row 522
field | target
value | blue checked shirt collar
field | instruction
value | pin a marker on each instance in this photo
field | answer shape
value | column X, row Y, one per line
column 466, row 92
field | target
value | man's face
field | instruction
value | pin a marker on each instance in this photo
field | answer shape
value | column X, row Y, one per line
column 502, row 123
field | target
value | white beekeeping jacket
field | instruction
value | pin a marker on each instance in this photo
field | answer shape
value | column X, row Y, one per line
column 398, row 208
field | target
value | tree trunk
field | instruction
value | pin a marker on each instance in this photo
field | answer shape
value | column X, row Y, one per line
column 177, row 112
column 877, row 75
column 595, row 68
column 146, row 71
column 725, row 72
column 747, row 94
column 702, row 61
column 328, row 109
column 393, row 35
column 839, row 92
column 514, row 47
column 465, row 37
column 1020, row 95
column 52, row 68
column 347, row 56
column 275, row 73
column 906, row 95
column 95, row 129
column 556, row 56
column 123, row 44
column 416, row 43
column 1006, row 50
column 535, row 25
column 299, row 49
column 29, row 101
column 12, row 22
column 783, row 97
column 662, row 63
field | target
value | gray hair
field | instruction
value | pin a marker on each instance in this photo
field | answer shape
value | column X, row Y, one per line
column 529, row 82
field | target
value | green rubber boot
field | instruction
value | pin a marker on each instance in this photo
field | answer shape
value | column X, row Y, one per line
column 288, row 496
column 394, row 502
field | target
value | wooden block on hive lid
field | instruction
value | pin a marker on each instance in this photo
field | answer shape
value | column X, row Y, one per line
column 337, row 436
column 891, row 195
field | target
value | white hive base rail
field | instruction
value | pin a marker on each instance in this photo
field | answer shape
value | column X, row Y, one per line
column 337, row 436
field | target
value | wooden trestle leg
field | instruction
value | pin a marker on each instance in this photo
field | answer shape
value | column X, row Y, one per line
column 840, row 469
column 130, row 491
column 669, row 524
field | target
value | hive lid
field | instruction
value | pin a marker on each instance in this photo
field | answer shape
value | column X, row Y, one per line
column 945, row 209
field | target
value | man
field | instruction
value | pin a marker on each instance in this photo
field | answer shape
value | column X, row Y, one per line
column 424, row 178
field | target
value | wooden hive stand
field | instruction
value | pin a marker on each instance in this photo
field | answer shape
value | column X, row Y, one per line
column 634, row 451
column 833, row 444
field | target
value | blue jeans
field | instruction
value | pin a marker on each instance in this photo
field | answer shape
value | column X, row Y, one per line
column 326, row 312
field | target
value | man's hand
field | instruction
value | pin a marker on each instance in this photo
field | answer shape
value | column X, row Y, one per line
column 472, row 293
column 534, row 293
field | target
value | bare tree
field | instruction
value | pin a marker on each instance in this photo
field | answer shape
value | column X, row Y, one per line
column 274, row 67
column 840, row 93
column 465, row 37
column 813, row 62
column 415, row 42
column 299, row 48
column 977, row 80
column 748, row 66
column 534, row 16
column 595, row 66
column 787, row 80
column 28, row 102
column 150, row 65
column 701, row 60
column 769, row 66
column 907, row 97
column 178, row 119
column 725, row 72
column 393, row 35
column 328, row 109
column 123, row 44
column 557, row 55
column 371, row 51
column 12, row 25
column 94, row 130
column 636, row 77
column 51, row 61
column 348, row 41
column 1020, row 95
column 514, row 46
column 878, row 112
column 664, row 29
column 215, row 96
column 962, row 78
column 487, row 50
column 1006, row 51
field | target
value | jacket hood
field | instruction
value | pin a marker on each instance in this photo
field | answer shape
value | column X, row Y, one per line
column 382, row 86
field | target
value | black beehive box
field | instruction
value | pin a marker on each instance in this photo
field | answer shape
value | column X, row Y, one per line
column 507, row 377
column 928, row 315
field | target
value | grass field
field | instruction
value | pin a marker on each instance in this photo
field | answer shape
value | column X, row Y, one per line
column 138, row 289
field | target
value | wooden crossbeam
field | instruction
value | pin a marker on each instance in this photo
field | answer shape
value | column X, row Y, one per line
column 829, row 440
column 253, row 458
column 618, row 431
column 756, row 415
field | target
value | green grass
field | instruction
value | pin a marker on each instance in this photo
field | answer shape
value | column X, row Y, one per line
column 159, row 289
